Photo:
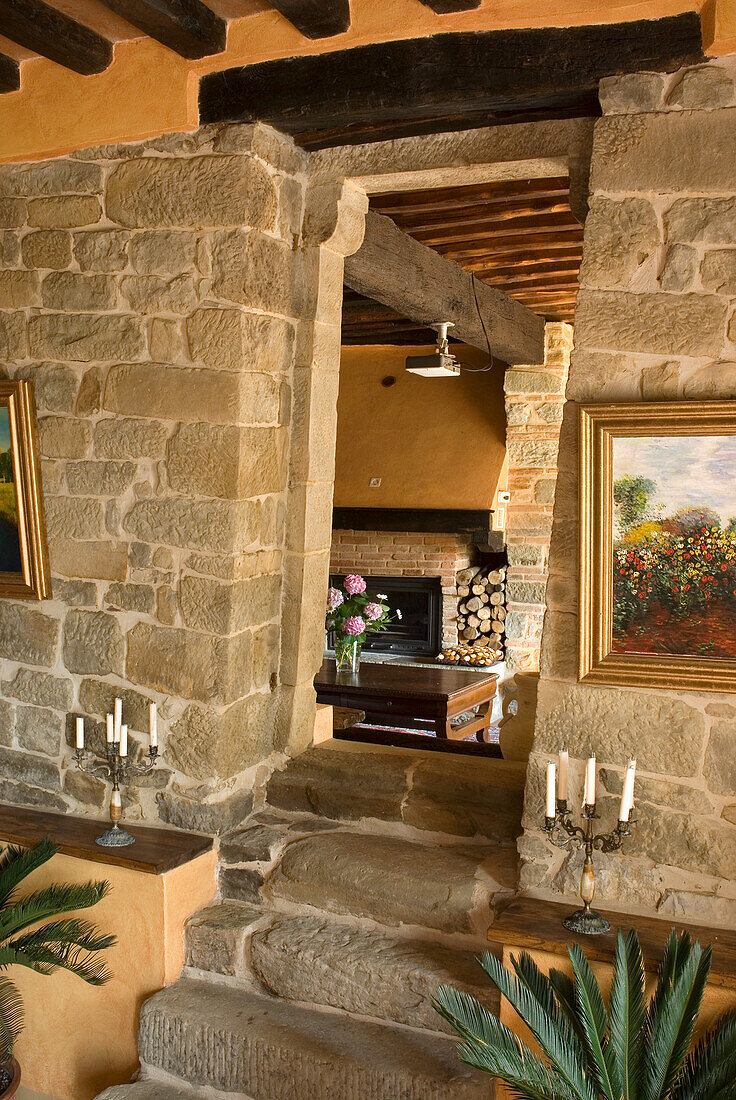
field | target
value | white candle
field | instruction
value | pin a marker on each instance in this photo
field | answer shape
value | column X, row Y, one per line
column 589, row 797
column 109, row 729
column 551, row 782
column 123, row 740
column 627, row 794
column 562, row 782
column 153, row 725
column 80, row 733
column 118, row 717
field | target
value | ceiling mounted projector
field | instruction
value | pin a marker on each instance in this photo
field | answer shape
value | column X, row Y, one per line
column 442, row 363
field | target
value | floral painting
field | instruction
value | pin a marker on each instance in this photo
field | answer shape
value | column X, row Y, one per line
column 674, row 545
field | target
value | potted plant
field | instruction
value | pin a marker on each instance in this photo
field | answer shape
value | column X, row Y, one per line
column 628, row 1050
column 32, row 936
column 351, row 615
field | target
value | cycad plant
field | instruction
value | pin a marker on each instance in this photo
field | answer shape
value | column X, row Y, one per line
column 31, row 936
column 628, row 1050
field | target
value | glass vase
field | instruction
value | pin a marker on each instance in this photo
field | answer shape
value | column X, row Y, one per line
column 347, row 653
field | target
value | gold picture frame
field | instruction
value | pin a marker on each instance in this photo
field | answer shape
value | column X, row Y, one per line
column 602, row 547
column 24, row 559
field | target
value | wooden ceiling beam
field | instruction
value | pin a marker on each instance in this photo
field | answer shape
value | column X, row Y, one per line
column 446, row 76
column 445, row 7
column 478, row 215
column 9, row 74
column 188, row 27
column 487, row 246
column 49, row 32
column 491, row 228
column 393, row 202
column 418, row 283
column 316, row 18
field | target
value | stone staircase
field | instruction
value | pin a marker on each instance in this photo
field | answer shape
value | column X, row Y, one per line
column 369, row 877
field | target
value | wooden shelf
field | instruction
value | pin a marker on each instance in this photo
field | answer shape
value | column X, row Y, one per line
column 155, row 851
column 533, row 924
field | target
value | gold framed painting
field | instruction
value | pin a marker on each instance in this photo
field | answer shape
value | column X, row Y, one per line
column 24, row 560
column 658, row 544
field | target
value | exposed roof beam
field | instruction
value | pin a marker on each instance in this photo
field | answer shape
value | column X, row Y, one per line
column 442, row 81
column 316, row 18
column 51, row 33
column 9, row 74
column 418, row 283
column 443, row 7
column 188, row 27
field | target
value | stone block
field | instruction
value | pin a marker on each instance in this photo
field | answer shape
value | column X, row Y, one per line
column 399, row 882
column 519, row 381
column 674, row 324
column 39, row 730
column 23, row 794
column 93, row 643
column 711, row 221
column 544, row 490
column 229, row 608
column 720, row 762
column 707, row 87
column 104, row 560
column 698, row 908
column 718, row 271
column 156, row 294
column 173, row 660
column 167, row 341
column 73, row 518
column 131, row 597
column 85, row 338
column 7, row 722
column 228, row 462
column 163, row 253
column 98, row 697
column 449, row 797
column 9, row 248
column 232, row 339
column 27, row 636
column 536, row 454
column 75, row 593
column 531, row 592
column 103, row 479
column 621, row 235
column 661, row 792
column 619, row 879
column 101, row 250
column 559, row 653
column 90, row 392
column 241, row 884
column 526, row 554
column 663, row 732
column 240, row 1042
column 251, row 269
column 120, row 437
column 55, row 387
column 257, row 843
column 53, row 177
column 219, row 526
column 65, row 212
column 40, row 688
column 13, row 213
column 216, row 937
column 680, row 267
column 207, row 745
column 84, row 788
column 48, row 248
column 18, row 289
column 63, row 437
column 67, row 291
column 23, row 768
column 687, row 841
column 191, row 193
column 204, row 817
column 12, row 336
column 630, row 93
column 364, row 972
column 676, row 151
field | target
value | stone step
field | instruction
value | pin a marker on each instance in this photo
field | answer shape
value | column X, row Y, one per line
column 150, row 1089
column 458, row 795
column 268, row 1049
column 394, row 881
column 313, row 960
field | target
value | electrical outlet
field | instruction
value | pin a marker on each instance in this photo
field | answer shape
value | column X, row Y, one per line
column 504, row 497
column 499, row 518
column 375, row 482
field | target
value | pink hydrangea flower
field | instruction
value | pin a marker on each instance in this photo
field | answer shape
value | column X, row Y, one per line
column 354, row 625
column 373, row 611
column 353, row 584
column 334, row 598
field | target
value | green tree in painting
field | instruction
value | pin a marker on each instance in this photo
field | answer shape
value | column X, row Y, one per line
column 6, row 465
column 731, row 526
column 631, row 496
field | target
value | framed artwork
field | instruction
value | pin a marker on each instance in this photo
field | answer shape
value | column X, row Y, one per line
column 24, row 561
column 658, row 544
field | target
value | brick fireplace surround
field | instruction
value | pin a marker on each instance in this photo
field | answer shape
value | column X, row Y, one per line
column 407, row 554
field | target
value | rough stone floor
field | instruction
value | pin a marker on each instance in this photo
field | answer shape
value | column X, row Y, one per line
column 369, row 877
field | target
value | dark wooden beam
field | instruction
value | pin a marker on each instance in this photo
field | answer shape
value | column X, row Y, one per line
column 447, row 75
column 444, row 7
column 9, row 74
column 461, row 521
column 50, row 33
column 418, row 283
column 316, row 18
column 188, row 27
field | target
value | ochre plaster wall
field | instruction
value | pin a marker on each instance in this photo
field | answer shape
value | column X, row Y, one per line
column 434, row 442
column 80, row 1039
column 150, row 90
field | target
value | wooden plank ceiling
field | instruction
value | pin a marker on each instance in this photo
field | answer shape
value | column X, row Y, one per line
column 520, row 236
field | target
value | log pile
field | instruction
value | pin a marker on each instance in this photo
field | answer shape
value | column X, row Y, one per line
column 481, row 618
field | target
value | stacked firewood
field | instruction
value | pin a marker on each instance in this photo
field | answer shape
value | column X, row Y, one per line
column 481, row 615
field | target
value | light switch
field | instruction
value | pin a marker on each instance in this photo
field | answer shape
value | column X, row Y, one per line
column 375, row 482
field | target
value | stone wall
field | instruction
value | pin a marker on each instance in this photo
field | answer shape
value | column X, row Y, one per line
column 407, row 554
column 177, row 303
column 534, row 404
column 654, row 321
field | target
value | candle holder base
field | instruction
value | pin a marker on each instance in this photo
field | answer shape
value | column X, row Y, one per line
column 115, row 838
column 587, row 922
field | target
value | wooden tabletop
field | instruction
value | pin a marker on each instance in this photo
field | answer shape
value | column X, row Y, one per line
column 405, row 681
column 155, row 851
column 533, row 924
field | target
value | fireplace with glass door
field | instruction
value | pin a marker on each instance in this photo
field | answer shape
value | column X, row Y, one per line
column 416, row 616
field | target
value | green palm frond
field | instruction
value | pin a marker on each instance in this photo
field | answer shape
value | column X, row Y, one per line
column 672, row 1027
column 627, row 1017
column 594, row 1018
column 566, row 997
column 17, row 863
column 50, row 902
column 11, row 1017
column 710, row 1067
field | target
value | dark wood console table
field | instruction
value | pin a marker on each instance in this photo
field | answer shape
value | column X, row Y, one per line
column 409, row 691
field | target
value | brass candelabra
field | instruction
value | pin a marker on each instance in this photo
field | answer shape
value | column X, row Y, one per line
column 118, row 769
